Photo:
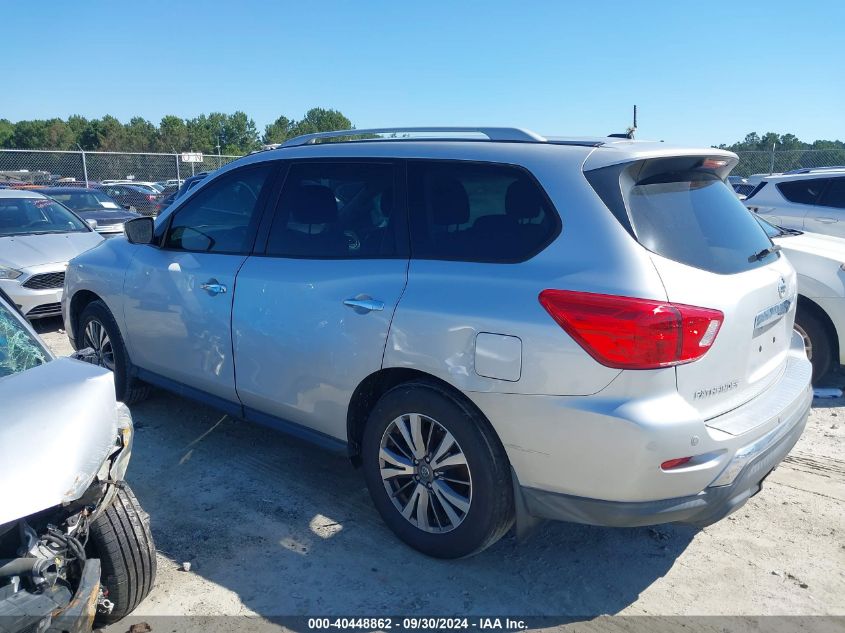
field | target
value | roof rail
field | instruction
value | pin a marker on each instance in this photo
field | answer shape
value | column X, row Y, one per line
column 810, row 170
column 492, row 134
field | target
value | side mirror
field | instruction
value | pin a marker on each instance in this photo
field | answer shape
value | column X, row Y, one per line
column 92, row 224
column 139, row 230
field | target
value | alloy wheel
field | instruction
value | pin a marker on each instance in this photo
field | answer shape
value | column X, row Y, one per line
column 98, row 339
column 425, row 473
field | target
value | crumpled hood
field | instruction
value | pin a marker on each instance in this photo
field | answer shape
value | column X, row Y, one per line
column 814, row 244
column 23, row 251
column 58, row 424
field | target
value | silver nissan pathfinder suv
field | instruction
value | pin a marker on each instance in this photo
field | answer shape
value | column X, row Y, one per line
column 495, row 325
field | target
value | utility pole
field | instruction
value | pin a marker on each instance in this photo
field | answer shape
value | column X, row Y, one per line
column 84, row 165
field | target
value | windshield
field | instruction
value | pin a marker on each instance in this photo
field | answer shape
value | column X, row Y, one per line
column 19, row 350
column 34, row 216
column 85, row 200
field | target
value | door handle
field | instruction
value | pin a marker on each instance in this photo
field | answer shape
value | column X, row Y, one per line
column 363, row 304
column 213, row 287
column 826, row 220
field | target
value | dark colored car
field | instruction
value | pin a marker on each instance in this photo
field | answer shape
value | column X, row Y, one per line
column 133, row 197
column 93, row 204
column 171, row 196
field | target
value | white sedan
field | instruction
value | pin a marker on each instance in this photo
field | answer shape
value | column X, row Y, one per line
column 820, row 320
column 38, row 237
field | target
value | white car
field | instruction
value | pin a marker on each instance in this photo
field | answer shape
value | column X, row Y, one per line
column 820, row 318
column 805, row 199
column 38, row 236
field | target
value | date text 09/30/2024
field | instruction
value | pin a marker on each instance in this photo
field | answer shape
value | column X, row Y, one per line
column 418, row 624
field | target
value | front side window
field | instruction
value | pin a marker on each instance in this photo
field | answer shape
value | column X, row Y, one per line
column 19, row 350
column 834, row 195
column 221, row 218
column 335, row 210
column 36, row 216
column 803, row 190
column 477, row 212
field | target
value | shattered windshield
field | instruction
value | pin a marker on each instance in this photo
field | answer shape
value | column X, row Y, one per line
column 19, row 350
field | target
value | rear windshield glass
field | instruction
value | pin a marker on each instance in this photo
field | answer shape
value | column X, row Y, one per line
column 696, row 219
column 88, row 200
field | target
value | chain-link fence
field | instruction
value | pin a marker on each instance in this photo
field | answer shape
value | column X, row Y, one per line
column 775, row 162
column 20, row 168
column 23, row 168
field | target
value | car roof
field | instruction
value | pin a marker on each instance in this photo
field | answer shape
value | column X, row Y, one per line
column 19, row 193
column 69, row 190
column 806, row 175
column 123, row 184
column 601, row 151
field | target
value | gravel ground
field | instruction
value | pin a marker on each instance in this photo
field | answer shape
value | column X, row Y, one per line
column 271, row 526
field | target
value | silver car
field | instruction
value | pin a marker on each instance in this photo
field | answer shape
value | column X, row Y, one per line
column 496, row 326
column 37, row 238
column 74, row 542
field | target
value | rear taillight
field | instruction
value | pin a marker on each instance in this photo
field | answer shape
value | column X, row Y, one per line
column 628, row 333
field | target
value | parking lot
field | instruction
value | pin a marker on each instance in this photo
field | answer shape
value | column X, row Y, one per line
column 271, row 527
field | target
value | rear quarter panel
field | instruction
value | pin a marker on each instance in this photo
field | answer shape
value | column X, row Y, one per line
column 447, row 304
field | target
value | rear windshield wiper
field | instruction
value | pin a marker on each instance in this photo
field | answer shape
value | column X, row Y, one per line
column 756, row 257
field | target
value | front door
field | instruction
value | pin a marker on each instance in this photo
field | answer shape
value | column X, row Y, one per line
column 179, row 295
column 311, row 315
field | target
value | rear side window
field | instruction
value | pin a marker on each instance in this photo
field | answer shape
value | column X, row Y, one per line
column 756, row 190
column 834, row 195
column 803, row 190
column 696, row 219
column 477, row 212
column 335, row 210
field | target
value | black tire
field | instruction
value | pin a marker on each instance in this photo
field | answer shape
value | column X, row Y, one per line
column 817, row 341
column 127, row 389
column 120, row 537
column 491, row 510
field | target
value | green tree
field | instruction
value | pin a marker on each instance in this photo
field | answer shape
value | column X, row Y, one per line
column 321, row 120
column 278, row 131
column 172, row 134
column 7, row 131
column 239, row 134
column 139, row 135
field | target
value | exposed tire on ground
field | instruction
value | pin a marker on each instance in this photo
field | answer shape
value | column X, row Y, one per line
column 817, row 342
column 120, row 537
column 456, row 490
column 97, row 329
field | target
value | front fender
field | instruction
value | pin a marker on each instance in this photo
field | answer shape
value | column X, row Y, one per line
column 100, row 272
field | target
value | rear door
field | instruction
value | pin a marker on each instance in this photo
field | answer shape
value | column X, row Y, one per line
column 828, row 215
column 312, row 313
column 710, row 252
column 801, row 210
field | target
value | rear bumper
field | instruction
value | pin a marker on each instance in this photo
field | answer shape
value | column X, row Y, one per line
column 754, row 461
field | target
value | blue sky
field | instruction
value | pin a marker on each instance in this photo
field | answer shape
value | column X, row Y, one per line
column 700, row 71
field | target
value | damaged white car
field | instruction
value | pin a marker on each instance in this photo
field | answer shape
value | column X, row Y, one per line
column 74, row 542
